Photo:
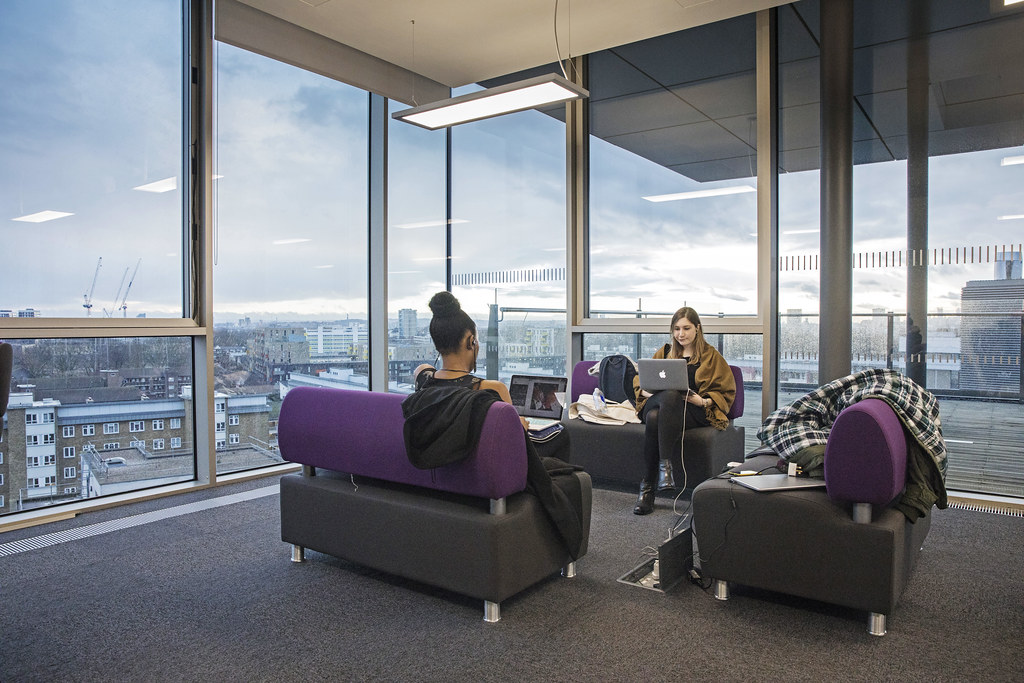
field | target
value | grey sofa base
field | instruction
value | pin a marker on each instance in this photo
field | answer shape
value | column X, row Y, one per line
column 441, row 539
column 615, row 452
column 802, row 543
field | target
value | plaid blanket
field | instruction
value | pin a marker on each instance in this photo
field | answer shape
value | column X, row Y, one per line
column 806, row 421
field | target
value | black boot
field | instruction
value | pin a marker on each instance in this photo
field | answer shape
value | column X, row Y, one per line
column 665, row 480
column 645, row 501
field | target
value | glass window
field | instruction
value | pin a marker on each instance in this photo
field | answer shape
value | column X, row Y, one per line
column 176, row 442
column 90, row 157
column 673, row 174
column 417, row 235
column 508, row 239
column 937, row 188
column 158, row 444
column 70, row 472
column 89, row 381
column 175, row 423
column 136, row 426
column 290, row 285
column 158, row 424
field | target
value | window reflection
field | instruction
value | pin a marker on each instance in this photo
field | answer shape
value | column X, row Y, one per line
column 90, row 159
column 673, row 173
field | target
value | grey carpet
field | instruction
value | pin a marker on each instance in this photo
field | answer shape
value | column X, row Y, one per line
column 212, row 596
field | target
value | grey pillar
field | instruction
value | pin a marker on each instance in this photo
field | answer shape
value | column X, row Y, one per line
column 917, row 193
column 491, row 342
column 836, row 268
column 378, row 239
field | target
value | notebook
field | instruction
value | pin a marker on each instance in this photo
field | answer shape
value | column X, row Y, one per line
column 659, row 374
column 778, row 482
column 538, row 398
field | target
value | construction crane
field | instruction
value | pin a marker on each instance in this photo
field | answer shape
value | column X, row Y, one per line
column 124, row 301
column 118, row 295
column 88, row 297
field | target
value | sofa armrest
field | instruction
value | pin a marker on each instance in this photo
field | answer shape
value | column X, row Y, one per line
column 866, row 454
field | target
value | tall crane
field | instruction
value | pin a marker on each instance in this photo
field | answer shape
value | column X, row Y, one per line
column 124, row 301
column 117, row 296
column 88, row 297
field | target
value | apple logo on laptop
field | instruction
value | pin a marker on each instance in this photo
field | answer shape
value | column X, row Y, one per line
column 661, row 374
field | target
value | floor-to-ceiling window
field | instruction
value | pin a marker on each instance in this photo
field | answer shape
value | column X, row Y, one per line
column 290, row 249
column 508, row 239
column 672, row 182
column 673, row 170
column 417, row 243
column 937, row 196
column 93, row 251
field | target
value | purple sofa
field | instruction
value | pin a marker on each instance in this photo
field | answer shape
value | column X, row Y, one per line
column 843, row 544
column 614, row 453
column 468, row 527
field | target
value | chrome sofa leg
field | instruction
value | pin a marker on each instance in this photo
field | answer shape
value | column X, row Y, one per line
column 721, row 589
column 298, row 553
column 569, row 570
column 862, row 513
column 492, row 611
column 876, row 624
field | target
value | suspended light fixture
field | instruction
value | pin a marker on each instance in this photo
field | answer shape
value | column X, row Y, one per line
column 501, row 99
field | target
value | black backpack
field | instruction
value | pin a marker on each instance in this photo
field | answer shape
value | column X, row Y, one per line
column 615, row 378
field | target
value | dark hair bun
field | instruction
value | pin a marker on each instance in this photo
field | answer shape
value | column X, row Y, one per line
column 444, row 304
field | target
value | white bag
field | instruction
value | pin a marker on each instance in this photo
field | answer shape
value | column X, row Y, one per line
column 613, row 414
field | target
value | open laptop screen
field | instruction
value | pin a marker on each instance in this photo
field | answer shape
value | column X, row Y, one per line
column 538, row 395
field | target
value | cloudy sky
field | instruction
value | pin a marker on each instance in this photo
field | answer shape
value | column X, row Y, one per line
column 91, row 129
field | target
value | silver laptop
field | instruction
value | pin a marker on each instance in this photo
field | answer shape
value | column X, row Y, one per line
column 659, row 374
column 538, row 398
column 778, row 482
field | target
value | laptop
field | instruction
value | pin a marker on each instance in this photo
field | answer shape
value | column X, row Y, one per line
column 659, row 374
column 778, row 482
column 538, row 398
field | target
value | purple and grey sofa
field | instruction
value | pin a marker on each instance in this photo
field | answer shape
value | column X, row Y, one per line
column 844, row 544
column 614, row 453
column 469, row 527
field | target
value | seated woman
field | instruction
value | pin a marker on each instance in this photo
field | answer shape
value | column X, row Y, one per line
column 665, row 413
column 454, row 335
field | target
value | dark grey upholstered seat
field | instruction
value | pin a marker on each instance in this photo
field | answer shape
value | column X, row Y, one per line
column 434, row 537
column 615, row 452
column 469, row 527
column 819, row 543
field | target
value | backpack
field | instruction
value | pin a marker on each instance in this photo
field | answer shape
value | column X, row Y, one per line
column 615, row 378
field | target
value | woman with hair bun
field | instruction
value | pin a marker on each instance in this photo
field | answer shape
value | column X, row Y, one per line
column 444, row 396
column 454, row 335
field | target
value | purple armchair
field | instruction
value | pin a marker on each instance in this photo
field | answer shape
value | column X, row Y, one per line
column 615, row 452
column 469, row 527
column 844, row 544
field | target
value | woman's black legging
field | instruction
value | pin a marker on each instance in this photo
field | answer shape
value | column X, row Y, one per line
column 663, row 414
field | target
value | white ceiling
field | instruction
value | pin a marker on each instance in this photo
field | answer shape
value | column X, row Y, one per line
column 456, row 42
